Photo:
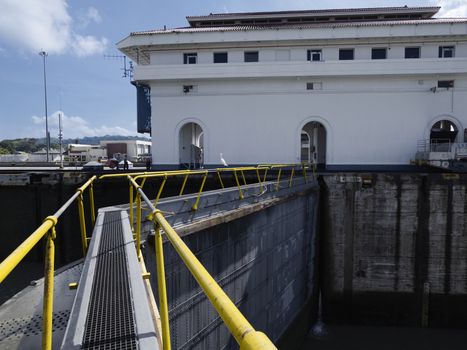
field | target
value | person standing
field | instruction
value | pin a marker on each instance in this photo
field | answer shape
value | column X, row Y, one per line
column 148, row 164
column 125, row 163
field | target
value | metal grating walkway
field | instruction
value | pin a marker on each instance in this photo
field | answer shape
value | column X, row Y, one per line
column 110, row 321
column 111, row 310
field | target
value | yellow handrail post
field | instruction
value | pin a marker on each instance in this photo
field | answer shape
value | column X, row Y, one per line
column 195, row 206
column 238, row 184
column 259, row 180
column 220, row 179
column 132, row 214
column 160, row 191
column 82, row 223
column 138, row 224
column 184, row 184
column 265, row 174
column 292, row 173
column 47, row 309
column 304, row 172
column 278, row 179
column 91, row 204
column 243, row 176
column 143, row 182
column 314, row 170
column 163, row 304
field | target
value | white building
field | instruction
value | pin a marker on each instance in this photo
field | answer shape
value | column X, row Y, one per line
column 78, row 152
column 133, row 149
column 347, row 87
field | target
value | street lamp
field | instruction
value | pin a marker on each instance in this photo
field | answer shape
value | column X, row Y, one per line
column 47, row 136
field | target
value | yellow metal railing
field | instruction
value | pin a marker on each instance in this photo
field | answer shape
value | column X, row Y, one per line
column 47, row 229
column 243, row 332
column 240, row 328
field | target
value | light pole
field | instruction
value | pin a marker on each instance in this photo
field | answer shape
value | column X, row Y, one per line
column 60, row 137
column 47, row 136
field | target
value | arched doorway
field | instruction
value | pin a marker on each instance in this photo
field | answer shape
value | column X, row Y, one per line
column 313, row 143
column 191, row 144
column 442, row 134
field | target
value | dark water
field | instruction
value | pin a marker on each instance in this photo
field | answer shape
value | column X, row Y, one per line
column 339, row 337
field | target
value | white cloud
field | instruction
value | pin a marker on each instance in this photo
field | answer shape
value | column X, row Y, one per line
column 452, row 8
column 74, row 126
column 88, row 45
column 93, row 15
column 33, row 25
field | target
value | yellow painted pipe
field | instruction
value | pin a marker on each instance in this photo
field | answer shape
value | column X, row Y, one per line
column 184, row 184
column 220, row 179
column 304, row 172
column 278, row 179
column 138, row 223
column 163, row 304
column 243, row 176
column 91, row 203
column 259, row 180
column 265, row 174
column 109, row 176
column 238, row 185
column 132, row 214
column 143, row 182
column 47, row 310
column 256, row 341
column 159, row 193
column 7, row 265
column 82, row 223
column 195, row 206
column 86, row 184
column 237, row 324
column 292, row 173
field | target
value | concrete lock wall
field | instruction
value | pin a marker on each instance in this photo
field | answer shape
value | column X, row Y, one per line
column 264, row 261
column 394, row 249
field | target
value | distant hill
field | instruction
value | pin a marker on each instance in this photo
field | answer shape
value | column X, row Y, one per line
column 94, row 140
column 30, row 145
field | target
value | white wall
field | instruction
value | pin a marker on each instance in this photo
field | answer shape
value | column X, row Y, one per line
column 369, row 120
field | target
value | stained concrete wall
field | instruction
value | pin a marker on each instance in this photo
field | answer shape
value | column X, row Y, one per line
column 394, row 248
column 263, row 259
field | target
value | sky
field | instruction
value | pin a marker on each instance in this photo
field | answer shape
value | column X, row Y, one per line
column 85, row 85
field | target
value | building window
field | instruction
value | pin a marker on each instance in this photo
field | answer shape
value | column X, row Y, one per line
column 251, row 56
column 220, row 57
column 379, row 53
column 446, row 51
column 314, row 55
column 412, row 52
column 346, row 54
column 190, row 89
column 190, row 58
column 446, row 84
column 314, row 86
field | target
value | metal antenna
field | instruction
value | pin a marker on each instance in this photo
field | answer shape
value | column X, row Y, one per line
column 127, row 66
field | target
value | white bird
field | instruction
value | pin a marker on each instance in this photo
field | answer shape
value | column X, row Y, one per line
column 223, row 161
